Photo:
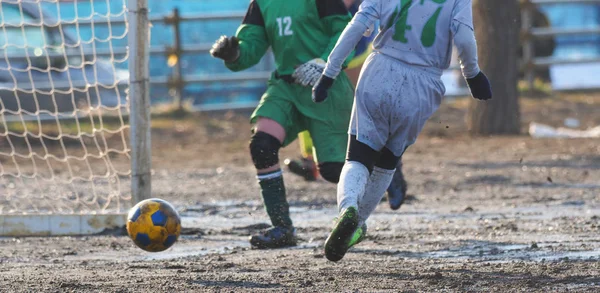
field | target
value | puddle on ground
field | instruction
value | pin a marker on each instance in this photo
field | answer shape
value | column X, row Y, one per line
column 220, row 218
column 230, row 214
column 490, row 253
column 511, row 252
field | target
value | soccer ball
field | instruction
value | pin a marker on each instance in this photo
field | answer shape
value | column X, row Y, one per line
column 153, row 225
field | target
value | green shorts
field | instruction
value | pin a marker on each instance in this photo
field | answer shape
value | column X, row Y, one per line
column 292, row 107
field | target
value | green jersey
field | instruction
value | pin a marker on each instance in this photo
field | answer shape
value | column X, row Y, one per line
column 297, row 30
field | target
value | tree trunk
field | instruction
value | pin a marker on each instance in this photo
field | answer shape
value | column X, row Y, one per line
column 497, row 35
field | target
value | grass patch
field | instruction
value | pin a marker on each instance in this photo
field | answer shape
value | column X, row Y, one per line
column 541, row 89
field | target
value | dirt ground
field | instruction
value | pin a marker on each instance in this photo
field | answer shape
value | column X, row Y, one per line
column 501, row 214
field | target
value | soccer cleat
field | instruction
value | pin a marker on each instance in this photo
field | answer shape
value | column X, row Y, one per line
column 337, row 243
column 396, row 192
column 359, row 235
column 276, row 237
column 304, row 167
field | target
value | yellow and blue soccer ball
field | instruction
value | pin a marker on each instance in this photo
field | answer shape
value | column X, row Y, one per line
column 153, row 225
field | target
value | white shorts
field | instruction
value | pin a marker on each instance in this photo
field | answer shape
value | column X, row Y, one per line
column 392, row 103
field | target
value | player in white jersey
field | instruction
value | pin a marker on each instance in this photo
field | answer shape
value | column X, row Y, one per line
column 399, row 88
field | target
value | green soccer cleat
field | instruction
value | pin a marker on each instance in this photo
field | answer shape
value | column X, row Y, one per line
column 359, row 235
column 338, row 242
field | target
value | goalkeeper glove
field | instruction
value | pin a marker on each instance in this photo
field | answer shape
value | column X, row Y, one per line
column 308, row 73
column 226, row 48
column 319, row 92
column 480, row 87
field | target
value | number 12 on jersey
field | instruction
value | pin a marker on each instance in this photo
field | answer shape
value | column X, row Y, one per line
column 401, row 26
column 285, row 26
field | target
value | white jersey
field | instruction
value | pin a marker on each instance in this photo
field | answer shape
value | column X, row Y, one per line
column 416, row 32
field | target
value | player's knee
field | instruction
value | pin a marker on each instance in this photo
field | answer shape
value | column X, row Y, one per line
column 264, row 149
column 331, row 171
column 387, row 160
column 362, row 153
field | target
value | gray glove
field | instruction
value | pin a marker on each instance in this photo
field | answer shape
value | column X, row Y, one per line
column 308, row 73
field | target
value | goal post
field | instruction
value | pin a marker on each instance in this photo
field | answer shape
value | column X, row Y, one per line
column 74, row 115
column 139, row 93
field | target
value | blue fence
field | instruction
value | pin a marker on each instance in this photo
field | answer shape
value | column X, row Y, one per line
column 575, row 16
column 194, row 64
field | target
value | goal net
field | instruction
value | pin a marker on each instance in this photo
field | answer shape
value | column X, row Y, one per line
column 64, row 128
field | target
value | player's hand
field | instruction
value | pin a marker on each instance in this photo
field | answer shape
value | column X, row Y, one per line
column 226, row 48
column 308, row 73
column 319, row 92
column 480, row 87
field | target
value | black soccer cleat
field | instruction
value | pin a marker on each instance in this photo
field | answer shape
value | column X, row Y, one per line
column 303, row 167
column 276, row 237
column 396, row 192
column 337, row 243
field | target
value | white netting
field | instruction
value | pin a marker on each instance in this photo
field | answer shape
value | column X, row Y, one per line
column 63, row 107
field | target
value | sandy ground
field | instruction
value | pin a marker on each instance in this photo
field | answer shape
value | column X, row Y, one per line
column 503, row 214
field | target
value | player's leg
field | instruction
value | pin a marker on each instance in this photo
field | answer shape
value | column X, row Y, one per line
column 305, row 166
column 273, row 122
column 268, row 138
column 380, row 179
column 396, row 192
column 354, row 180
column 368, row 134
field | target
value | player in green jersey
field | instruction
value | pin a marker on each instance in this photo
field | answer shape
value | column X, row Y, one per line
column 301, row 35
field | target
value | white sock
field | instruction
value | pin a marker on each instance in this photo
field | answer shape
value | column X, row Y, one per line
column 351, row 187
column 378, row 183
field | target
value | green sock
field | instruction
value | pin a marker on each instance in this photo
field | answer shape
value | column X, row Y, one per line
column 273, row 194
